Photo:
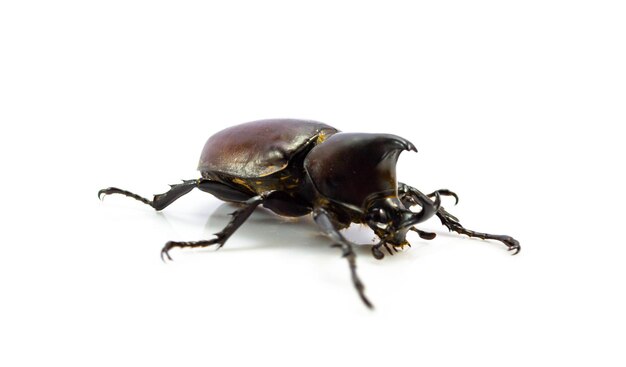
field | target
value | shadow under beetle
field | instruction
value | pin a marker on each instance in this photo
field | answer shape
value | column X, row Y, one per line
column 297, row 167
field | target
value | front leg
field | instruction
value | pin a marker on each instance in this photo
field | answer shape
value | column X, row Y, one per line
column 412, row 195
column 324, row 221
column 453, row 225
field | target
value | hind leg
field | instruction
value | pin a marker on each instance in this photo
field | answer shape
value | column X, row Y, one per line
column 160, row 201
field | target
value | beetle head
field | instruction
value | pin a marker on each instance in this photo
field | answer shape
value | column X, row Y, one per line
column 358, row 171
column 391, row 220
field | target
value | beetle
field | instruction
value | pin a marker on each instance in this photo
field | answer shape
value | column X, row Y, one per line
column 298, row 167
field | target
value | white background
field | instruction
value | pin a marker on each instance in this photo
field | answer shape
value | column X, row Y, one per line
column 514, row 105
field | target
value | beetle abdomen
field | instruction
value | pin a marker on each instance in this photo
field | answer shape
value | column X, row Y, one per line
column 259, row 148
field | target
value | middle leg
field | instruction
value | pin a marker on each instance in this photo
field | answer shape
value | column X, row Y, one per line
column 324, row 221
column 239, row 216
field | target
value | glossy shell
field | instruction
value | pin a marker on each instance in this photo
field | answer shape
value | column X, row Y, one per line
column 259, row 148
column 351, row 168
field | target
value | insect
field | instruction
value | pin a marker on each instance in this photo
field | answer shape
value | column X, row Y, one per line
column 297, row 167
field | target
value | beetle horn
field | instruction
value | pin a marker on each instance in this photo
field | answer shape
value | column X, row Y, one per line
column 428, row 210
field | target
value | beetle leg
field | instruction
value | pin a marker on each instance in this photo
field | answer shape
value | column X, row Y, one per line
column 160, row 201
column 324, row 221
column 453, row 225
column 445, row 192
column 410, row 196
column 452, row 222
column 239, row 216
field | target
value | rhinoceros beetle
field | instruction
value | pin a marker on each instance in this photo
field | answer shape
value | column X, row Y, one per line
column 296, row 167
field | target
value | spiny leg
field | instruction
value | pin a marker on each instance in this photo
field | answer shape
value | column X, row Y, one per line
column 159, row 201
column 453, row 223
column 239, row 216
column 324, row 221
column 411, row 197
